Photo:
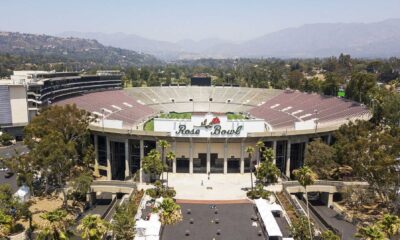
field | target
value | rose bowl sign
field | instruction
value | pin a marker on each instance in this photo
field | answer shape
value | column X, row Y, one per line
column 216, row 130
column 209, row 126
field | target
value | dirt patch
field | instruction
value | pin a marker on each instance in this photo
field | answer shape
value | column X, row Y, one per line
column 41, row 205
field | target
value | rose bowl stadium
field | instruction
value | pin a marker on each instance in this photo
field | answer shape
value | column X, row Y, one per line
column 208, row 127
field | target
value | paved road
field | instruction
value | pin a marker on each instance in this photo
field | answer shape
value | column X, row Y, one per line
column 316, row 220
column 8, row 152
column 101, row 205
column 335, row 220
column 12, row 181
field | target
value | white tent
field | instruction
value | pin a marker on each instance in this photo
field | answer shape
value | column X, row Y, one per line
column 23, row 193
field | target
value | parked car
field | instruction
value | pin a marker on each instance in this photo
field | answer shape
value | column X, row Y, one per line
column 9, row 174
column 3, row 168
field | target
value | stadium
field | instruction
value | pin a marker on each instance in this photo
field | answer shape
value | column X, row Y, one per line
column 208, row 127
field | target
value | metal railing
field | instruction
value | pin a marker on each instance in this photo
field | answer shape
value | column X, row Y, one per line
column 328, row 183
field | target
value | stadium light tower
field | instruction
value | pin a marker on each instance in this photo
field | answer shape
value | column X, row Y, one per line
column 191, row 100
column 209, row 104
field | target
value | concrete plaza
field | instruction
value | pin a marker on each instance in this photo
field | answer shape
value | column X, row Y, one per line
column 218, row 187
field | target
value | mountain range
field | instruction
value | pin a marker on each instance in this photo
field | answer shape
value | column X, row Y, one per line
column 368, row 40
column 85, row 51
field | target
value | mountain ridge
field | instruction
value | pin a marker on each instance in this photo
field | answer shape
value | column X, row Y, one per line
column 370, row 40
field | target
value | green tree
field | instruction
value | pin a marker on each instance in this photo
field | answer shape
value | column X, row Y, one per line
column 329, row 235
column 59, row 141
column 11, row 211
column 81, row 185
column 250, row 151
column 372, row 153
column 92, row 227
column 390, row 225
column 22, row 166
column 301, row 229
column 331, row 84
column 58, row 225
column 170, row 212
column 6, row 139
column 360, row 87
column 152, row 164
column 267, row 172
column 295, row 79
column 5, row 224
column 260, row 147
column 170, row 158
column 390, row 108
column 52, row 155
column 320, row 157
column 123, row 223
column 370, row 233
column 305, row 176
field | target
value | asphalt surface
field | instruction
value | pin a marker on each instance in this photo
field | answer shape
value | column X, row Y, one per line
column 101, row 204
column 12, row 181
column 234, row 223
column 9, row 151
column 334, row 219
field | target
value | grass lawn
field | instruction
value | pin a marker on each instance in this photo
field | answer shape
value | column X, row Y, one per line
column 175, row 115
column 235, row 116
column 149, row 125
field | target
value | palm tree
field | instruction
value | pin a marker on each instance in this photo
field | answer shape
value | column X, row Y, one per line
column 250, row 151
column 93, row 227
column 170, row 158
column 57, row 227
column 260, row 145
column 164, row 144
column 390, row 224
column 370, row 233
column 170, row 212
column 152, row 164
column 306, row 177
column 268, row 154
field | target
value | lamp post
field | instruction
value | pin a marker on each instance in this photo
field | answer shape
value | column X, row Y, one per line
column 102, row 122
column 316, row 120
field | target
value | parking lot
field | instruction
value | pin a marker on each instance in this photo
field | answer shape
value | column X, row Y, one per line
column 8, row 152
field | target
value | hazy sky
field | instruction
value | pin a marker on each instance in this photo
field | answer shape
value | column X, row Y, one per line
column 174, row 20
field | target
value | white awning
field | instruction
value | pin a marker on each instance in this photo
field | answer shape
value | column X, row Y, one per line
column 265, row 210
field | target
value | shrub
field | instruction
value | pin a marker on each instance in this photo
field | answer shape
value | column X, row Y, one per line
column 6, row 139
column 258, row 192
column 170, row 212
column 160, row 191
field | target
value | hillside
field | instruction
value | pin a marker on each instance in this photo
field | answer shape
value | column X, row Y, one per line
column 88, row 53
column 371, row 40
